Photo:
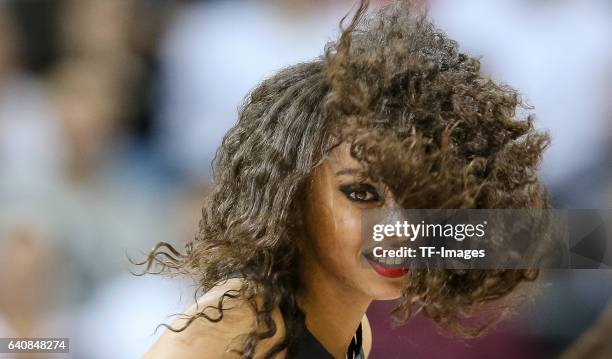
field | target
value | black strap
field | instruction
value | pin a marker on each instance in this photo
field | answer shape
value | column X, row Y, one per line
column 355, row 350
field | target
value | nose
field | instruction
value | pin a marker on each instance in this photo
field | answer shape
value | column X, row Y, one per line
column 390, row 202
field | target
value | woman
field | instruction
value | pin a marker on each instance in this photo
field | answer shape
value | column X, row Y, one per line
column 392, row 115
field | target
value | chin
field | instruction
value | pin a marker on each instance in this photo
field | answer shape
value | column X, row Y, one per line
column 388, row 290
column 390, row 294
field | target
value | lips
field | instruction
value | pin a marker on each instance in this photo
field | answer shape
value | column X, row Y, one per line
column 387, row 271
column 388, row 267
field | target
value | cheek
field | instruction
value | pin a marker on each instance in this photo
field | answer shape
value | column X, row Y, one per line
column 339, row 234
column 335, row 227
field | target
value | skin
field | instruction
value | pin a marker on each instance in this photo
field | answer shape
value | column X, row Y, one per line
column 337, row 288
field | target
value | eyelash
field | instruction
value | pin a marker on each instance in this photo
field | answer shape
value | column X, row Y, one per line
column 350, row 191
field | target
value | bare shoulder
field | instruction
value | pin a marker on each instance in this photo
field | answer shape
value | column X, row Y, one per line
column 366, row 336
column 216, row 338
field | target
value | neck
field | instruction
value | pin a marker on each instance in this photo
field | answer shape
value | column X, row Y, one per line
column 333, row 309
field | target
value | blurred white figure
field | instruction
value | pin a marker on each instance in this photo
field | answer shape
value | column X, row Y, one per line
column 121, row 319
column 215, row 52
column 30, row 147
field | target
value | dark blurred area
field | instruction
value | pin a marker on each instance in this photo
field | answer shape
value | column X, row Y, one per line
column 111, row 111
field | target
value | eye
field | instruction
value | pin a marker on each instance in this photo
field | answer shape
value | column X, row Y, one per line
column 360, row 192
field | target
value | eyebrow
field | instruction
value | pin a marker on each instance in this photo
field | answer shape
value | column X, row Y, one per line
column 349, row 171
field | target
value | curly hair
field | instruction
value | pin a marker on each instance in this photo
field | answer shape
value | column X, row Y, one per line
column 417, row 113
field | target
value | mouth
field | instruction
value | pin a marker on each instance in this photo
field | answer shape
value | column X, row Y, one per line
column 386, row 267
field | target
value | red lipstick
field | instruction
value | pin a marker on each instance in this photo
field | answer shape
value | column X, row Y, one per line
column 387, row 271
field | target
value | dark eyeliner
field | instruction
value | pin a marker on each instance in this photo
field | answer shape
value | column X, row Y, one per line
column 350, row 189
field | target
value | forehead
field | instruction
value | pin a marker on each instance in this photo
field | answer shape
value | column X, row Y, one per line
column 340, row 157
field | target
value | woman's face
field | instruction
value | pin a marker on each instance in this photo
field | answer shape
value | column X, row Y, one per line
column 337, row 195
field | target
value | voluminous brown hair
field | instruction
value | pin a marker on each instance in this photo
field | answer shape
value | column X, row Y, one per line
column 422, row 118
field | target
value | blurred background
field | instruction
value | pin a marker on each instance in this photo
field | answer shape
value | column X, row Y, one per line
column 110, row 113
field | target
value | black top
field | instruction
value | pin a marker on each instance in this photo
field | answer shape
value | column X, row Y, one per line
column 309, row 347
